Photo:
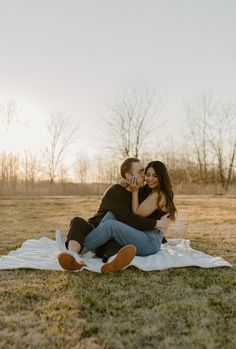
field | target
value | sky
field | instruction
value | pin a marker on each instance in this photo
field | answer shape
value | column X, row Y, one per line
column 72, row 55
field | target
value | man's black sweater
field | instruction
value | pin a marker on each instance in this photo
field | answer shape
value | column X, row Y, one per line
column 118, row 200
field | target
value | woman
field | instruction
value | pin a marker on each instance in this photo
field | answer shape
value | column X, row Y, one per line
column 158, row 191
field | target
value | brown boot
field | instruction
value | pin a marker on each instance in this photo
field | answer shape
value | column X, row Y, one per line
column 68, row 262
column 123, row 258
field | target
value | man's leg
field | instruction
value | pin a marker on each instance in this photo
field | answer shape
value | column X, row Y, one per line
column 146, row 243
column 79, row 228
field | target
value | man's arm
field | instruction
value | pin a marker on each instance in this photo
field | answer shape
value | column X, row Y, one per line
column 163, row 223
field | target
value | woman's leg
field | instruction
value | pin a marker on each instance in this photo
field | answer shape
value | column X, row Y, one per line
column 144, row 242
column 107, row 216
column 111, row 247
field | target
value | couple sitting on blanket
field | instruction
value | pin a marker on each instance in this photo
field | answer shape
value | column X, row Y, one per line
column 131, row 220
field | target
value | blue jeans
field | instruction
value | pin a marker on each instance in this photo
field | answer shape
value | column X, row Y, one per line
column 146, row 243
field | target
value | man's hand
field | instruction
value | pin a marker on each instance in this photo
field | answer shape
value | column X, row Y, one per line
column 124, row 182
column 133, row 184
column 163, row 223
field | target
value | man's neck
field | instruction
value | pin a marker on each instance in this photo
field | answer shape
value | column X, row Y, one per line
column 125, row 187
column 128, row 188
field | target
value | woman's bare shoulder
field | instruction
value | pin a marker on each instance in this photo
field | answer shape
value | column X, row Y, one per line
column 153, row 195
column 162, row 202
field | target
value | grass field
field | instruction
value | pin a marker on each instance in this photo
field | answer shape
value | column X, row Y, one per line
column 179, row 308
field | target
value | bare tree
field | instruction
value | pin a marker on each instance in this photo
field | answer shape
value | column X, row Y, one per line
column 63, row 178
column 223, row 141
column 199, row 114
column 211, row 131
column 3, row 171
column 61, row 134
column 8, row 113
column 81, row 167
column 9, row 172
column 130, row 119
column 107, row 170
column 30, row 168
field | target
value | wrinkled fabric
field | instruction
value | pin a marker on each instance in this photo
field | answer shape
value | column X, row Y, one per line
column 42, row 254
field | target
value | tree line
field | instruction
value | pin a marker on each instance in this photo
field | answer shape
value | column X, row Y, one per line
column 129, row 121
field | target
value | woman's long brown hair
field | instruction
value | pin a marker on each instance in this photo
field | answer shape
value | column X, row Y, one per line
column 164, row 187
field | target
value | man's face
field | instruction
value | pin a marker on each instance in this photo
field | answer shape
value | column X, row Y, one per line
column 137, row 170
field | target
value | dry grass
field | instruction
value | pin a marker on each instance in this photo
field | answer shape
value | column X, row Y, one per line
column 178, row 308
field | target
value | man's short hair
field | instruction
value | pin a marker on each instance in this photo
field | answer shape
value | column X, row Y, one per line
column 126, row 166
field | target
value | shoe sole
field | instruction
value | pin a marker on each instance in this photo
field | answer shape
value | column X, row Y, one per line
column 124, row 257
column 68, row 262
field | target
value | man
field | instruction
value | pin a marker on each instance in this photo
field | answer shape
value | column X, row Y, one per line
column 117, row 200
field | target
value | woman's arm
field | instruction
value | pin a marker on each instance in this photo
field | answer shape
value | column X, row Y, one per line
column 148, row 206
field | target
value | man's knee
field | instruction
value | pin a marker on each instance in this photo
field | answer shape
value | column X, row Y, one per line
column 79, row 229
column 109, row 215
column 78, row 220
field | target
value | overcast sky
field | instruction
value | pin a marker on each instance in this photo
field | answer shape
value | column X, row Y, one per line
column 72, row 54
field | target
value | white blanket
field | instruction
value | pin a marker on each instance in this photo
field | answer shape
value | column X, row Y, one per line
column 42, row 254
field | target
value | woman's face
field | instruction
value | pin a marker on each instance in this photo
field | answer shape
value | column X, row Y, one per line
column 151, row 178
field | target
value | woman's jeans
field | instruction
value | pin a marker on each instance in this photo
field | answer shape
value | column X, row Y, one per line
column 146, row 243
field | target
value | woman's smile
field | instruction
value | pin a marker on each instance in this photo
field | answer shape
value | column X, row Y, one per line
column 151, row 178
column 151, row 184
